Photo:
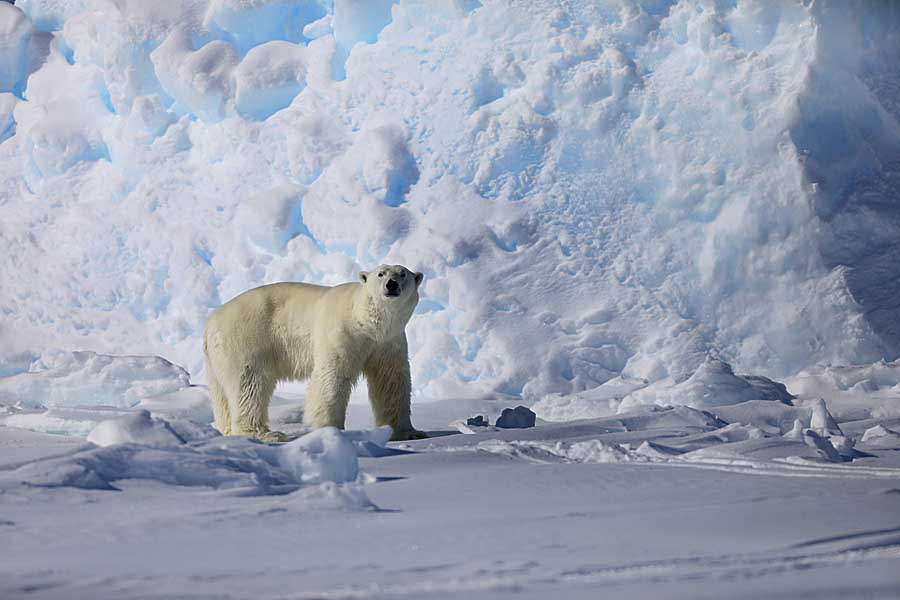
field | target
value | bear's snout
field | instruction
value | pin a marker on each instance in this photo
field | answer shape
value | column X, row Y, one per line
column 393, row 288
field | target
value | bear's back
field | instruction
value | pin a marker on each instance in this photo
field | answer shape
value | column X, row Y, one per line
column 278, row 303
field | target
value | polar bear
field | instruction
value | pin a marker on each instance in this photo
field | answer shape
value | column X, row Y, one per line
column 330, row 335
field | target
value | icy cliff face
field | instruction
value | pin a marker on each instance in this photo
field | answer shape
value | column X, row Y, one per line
column 592, row 192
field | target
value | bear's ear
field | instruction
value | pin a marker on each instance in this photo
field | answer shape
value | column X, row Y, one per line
column 419, row 278
column 363, row 276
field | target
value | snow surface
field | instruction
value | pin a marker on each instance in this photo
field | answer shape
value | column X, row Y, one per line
column 670, row 503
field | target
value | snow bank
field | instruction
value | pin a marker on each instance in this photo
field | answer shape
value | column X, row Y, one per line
column 853, row 392
column 593, row 191
column 190, row 404
column 712, row 384
column 73, row 379
column 138, row 446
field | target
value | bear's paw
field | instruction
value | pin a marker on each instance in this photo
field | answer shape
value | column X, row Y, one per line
column 409, row 434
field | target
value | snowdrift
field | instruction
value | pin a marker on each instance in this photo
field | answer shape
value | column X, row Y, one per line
column 181, row 453
column 596, row 194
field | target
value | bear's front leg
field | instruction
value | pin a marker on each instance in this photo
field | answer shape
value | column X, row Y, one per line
column 327, row 397
column 390, row 387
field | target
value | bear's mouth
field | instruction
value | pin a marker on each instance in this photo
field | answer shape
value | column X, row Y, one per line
column 390, row 294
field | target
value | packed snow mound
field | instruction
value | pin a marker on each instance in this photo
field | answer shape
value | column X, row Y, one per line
column 372, row 443
column 71, row 379
column 712, row 384
column 593, row 191
column 601, row 401
column 189, row 403
column 140, row 428
column 140, row 447
column 779, row 419
column 78, row 422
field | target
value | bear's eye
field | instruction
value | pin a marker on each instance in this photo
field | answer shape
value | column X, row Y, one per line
column 403, row 275
column 381, row 274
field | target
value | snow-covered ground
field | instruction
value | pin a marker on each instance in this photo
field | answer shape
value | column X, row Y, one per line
column 754, row 492
column 665, row 503
column 670, row 228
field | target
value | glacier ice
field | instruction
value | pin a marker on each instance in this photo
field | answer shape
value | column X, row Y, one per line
column 596, row 193
column 269, row 78
column 15, row 35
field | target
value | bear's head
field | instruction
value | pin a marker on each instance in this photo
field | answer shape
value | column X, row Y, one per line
column 392, row 283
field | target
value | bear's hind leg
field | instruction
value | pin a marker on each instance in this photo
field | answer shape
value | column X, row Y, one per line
column 220, row 405
column 251, row 415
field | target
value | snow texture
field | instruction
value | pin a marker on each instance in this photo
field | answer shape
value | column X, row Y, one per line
column 141, row 428
column 138, row 446
column 62, row 421
column 15, row 35
column 635, row 493
column 89, row 379
column 595, row 193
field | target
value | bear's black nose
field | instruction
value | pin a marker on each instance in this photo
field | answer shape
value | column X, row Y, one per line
column 392, row 286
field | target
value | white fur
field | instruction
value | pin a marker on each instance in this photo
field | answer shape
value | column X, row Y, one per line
column 331, row 335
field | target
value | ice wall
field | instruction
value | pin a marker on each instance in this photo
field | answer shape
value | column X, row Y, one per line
column 593, row 190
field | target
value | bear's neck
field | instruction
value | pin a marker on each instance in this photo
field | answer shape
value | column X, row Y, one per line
column 383, row 322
